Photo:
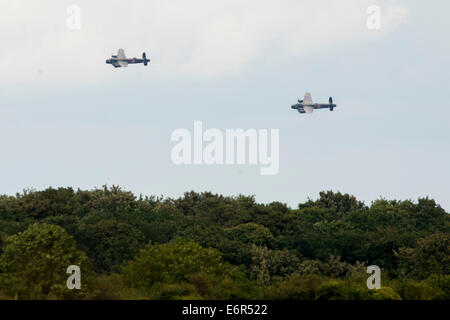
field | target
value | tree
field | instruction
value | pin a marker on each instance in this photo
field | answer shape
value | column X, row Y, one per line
column 251, row 233
column 270, row 265
column 34, row 263
column 260, row 267
column 385, row 293
column 339, row 290
column 109, row 243
column 336, row 202
column 430, row 256
column 173, row 262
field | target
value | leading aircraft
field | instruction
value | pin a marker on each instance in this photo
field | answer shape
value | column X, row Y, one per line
column 120, row 60
column 307, row 106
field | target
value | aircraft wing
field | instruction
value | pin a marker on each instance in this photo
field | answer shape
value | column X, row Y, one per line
column 121, row 54
column 307, row 99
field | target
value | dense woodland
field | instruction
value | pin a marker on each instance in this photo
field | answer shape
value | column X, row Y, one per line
column 208, row 246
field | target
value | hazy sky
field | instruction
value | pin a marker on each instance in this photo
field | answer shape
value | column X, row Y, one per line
column 69, row 119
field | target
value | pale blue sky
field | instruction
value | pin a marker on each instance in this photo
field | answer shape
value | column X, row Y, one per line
column 68, row 119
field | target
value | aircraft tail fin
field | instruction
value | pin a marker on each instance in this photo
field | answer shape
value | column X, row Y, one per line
column 144, row 57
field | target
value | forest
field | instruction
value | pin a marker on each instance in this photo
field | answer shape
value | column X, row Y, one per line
column 209, row 246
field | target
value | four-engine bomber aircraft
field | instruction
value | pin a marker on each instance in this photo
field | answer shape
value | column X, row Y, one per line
column 303, row 106
column 120, row 60
column 307, row 106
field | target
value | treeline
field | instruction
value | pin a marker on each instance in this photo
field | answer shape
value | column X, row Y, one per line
column 208, row 246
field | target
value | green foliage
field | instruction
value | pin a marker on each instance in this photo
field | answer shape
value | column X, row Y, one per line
column 238, row 242
column 334, row 268
column 251, row 233
column 226, row 247
column 294, row 287
column 441, row 284
column 176, row 291
column 416, row 290
column 172, row 262
column 336, row 202
column 430, row 256
column 34, row 262
column 109, row 243
column 340, row 290
column 385, row 293
column 113, row 287
column 273, row 265
column 260, row 265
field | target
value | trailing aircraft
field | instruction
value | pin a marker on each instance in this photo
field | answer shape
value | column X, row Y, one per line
column 307, row 106
column 121, row 61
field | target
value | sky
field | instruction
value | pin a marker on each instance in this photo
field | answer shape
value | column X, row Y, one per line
column 69, row 119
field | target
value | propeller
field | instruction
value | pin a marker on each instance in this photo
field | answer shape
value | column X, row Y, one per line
column 331, row 100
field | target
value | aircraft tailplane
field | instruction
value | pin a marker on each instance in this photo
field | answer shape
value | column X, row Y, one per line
column 144, row 57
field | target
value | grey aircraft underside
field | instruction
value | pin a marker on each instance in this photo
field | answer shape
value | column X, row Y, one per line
column 307, row 106
column 121, row 61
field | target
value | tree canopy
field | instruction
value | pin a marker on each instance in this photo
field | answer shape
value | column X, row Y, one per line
column 205, row 245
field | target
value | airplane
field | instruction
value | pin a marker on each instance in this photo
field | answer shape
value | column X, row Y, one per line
column 307, row 106
column 120, row 60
